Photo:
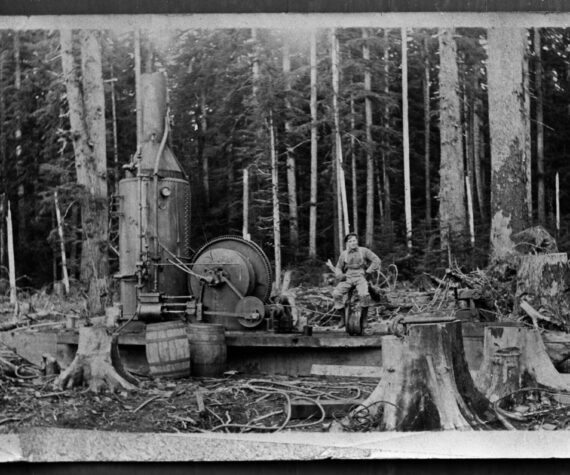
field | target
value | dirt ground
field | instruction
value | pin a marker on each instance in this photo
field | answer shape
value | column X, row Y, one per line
column 231, row 404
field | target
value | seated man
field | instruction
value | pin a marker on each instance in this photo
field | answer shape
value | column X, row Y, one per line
column 354, row 263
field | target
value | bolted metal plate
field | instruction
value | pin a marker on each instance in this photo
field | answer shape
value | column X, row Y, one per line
column 234, row 266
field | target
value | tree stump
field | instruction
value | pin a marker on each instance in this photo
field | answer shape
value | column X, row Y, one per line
column 535, row 364
column 541, row 281
column 97, row 363
column 425, row 383
column 499, row 374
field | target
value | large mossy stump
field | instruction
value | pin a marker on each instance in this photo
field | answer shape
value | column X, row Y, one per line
column 425, row 383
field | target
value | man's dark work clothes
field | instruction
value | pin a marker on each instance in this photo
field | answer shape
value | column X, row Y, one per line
column 354, row 264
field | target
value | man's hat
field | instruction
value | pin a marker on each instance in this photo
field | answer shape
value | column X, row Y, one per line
column 349, row 235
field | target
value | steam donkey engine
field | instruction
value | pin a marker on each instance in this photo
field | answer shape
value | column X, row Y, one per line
column 227, row 281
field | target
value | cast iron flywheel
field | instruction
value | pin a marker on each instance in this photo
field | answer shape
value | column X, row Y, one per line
column 245, row 269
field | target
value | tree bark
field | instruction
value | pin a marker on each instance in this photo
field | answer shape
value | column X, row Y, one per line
column 353, row 165
column 427, row 131
column 276, row 212
column 541, row 281
column 385, row 156
column 535, row 364
column 527, row 144
column 406, row 141
column 65, row 277
column 116, row 166
column 11, row 260
column 20, row 166
column 540, row 193
column 3, row 163
column 96, row 363
column 344, row 225
column 506, row 47
column 478, row 152
column 291, row 166
column 255, row 65
column 245, row 201
column 452, row 217
column 499, row 374
column 425, row 383
column 314, row 149
column 202, row 150
column 87, row 120
column 369, row 144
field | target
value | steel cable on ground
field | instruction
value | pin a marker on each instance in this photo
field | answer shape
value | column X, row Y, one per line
column 250, row 427
column 308, row 424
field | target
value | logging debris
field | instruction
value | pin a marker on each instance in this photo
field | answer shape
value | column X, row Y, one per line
column 230, row 404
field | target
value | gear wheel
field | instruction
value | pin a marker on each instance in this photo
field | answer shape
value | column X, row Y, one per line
column 255, row 255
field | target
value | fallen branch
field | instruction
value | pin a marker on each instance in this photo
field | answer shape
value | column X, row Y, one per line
column 535, row 315
column 8, row 365
column 148, row 401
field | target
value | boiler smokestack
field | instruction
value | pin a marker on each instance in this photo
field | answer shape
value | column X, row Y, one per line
column 153, row 88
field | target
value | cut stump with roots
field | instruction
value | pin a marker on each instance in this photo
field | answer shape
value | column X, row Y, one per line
column 425, row 384
column 534, row 364
column 97, row 363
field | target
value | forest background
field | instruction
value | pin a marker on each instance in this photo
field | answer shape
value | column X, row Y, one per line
column 428, row 130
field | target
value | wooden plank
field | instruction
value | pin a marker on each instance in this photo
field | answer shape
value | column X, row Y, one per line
column 348, row 371
column 200, row 402
column 302, row 409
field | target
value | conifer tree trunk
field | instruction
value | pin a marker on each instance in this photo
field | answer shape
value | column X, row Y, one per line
column 369, row 145
column 385, row 156
column 406, row 140
column 344, row 225
column 468, row 135
column 527, row 145
column 275, row 195
column 506, row 49
column 540, row 194
column 87, row 120
column 112, row 82
column 245, row 203
column 291, row 166
column 257, row 111
column 478, row 152
column 3, row 163
column 353, row 165
column 353, row 160
column 255, row 65
column 20, row 168
column 314, row 149
column 427, row 134
column 452, row 217
column 203, row 155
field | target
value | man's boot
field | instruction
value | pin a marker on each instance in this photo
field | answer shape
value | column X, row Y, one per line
column 363, row 318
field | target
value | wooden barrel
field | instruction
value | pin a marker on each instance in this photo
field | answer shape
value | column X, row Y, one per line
column 208, row 346
column 168, row 349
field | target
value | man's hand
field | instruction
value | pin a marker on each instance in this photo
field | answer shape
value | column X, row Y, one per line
column 337, row 273
column 331, row 267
